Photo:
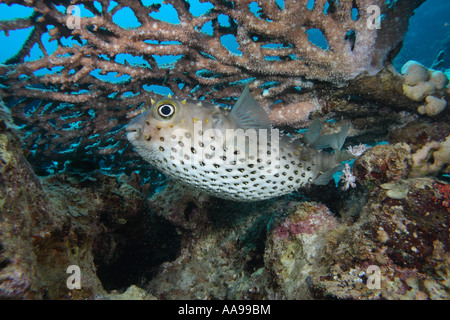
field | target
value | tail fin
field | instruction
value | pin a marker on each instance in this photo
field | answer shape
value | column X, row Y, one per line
column 314, row 138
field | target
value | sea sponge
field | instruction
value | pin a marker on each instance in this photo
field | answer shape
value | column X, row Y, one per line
column 419, row 82
column 432, row 158
column 433, row 107
column 439, row 79
column 420, row 91
column 414, row 73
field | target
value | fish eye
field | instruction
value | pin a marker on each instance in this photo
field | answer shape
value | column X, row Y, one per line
column 166, row 110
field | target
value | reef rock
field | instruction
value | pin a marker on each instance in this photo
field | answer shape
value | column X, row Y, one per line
column 295, row 248
column 383, row 163
column 67, row 220
column 398, row 249
column 428, row 144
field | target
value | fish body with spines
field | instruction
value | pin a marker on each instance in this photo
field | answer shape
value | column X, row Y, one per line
column 235, row 154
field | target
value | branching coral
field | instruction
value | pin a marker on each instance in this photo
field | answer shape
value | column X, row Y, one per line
column 73, row 111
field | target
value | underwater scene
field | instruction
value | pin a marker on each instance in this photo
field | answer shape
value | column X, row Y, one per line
column 224, row 150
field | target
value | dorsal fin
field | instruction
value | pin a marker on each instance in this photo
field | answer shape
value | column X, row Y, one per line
column 248, row 114
column 314, row 138
column 313, row 132
column 337, row 139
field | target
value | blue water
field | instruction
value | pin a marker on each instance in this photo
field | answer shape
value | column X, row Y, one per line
column 428, row 33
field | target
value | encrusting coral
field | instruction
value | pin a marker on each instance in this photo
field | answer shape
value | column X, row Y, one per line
column 68, row 108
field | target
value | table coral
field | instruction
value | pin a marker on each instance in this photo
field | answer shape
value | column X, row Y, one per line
column 70, row 111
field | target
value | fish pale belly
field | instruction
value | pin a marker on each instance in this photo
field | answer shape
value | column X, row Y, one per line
column 237, row 178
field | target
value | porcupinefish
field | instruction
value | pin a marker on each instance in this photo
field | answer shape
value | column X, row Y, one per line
column 233, row 154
